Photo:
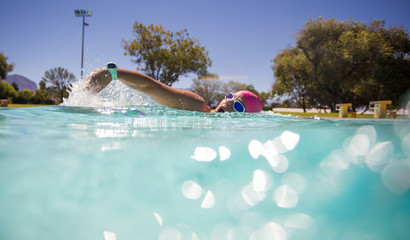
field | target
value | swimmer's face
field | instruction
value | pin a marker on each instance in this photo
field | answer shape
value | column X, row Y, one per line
column 226, row 105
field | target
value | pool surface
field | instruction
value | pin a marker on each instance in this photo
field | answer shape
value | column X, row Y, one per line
column 102, row 168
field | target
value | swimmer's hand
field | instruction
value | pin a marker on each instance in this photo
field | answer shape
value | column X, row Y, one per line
column 98, row 80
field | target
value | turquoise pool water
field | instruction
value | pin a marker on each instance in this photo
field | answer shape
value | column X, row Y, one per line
column 142, row 171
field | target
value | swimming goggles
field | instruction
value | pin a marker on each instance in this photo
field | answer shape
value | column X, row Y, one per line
column 237, row 106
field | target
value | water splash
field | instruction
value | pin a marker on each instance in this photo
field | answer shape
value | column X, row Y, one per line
column 114, row 95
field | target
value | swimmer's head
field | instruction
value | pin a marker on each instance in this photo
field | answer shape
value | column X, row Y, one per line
column 248, row 100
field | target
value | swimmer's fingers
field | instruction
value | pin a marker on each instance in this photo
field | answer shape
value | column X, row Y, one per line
column 98, row 80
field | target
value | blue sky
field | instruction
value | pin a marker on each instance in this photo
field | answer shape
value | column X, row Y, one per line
column 242, row 37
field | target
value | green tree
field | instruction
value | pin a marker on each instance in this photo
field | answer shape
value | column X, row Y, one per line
column 292, row 72
column 165, row 55
column 24, row 97
column 345, row 61
column 4, row 66
column 7, row 91
column 60, row 80
column 41, row 97
column 16, row 87
column 209, row 88
column 213, row 90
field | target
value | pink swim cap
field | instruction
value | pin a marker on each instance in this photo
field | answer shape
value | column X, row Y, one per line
column 253, row 103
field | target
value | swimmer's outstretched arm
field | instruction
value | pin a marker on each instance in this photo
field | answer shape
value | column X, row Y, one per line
column 163, row 94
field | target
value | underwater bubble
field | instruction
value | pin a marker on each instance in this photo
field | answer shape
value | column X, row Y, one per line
column 271, row 231
column 109, row 235
column 299, row 221
column 290, row 139
column 209, row 200
column 295, row 181
column 285, row 197
column 158, row 218
column 396, row 176
column 191, row 189
column 250, row 196
column 259, row 181
column 379, row 156
column 255, row 148
column 204, row 154
column 224, row 153
column 405, row 144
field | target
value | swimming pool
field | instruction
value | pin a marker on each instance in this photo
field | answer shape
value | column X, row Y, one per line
column 98, row 167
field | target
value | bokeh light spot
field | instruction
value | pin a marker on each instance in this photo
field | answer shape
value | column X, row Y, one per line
column 191, row 189
column 285, row 197
column 109, row 235
column 396, row 176
column 379, row 156
column 158, row 218
column 255, row 148
column 209, row 200
column 224, row 153
column 204, row 154
column 299, row 221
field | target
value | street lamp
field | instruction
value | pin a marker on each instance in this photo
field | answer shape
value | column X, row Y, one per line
column 83, row 13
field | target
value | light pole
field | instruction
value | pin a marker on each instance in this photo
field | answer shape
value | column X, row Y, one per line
column 83, row 13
